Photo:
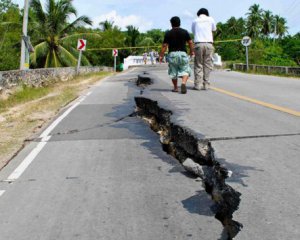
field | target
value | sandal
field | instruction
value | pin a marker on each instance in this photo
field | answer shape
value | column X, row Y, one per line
column 183, row 88
column 174, row 90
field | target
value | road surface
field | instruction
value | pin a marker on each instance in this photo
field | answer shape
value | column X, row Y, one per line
column 97, row 172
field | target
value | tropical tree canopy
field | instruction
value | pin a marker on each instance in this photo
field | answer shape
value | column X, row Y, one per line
column 52, row 30
column 10, row 36
column 132, row 36
column 6, row 4
column 280, row 28
column 267, row 23
column 254, row 20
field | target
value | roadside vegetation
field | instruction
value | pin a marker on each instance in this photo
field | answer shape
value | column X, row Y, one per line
column 272, row 44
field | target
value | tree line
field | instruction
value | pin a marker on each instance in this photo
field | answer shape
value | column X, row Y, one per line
column 55, row 38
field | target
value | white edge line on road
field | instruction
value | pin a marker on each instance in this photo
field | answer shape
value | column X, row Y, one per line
column 60, row 118
column 1, row 192
column 45, row 138
column 28, row 160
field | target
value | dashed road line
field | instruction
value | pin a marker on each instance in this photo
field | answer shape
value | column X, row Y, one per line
column 1, row 192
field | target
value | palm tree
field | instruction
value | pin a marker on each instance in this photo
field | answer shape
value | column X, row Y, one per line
column 235, row 26
column 254, row 20
column 267, row 23
column 221, row 31
column 53, row 30
column 132, row 35
column 280, row 27
column 106, row 25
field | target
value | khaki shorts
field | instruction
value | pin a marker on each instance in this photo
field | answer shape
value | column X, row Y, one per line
column 179, row 65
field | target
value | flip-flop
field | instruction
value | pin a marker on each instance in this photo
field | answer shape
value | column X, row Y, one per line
column 174, row 90
column 183, row 88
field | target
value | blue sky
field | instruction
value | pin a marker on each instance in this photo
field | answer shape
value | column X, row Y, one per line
column 146, row 14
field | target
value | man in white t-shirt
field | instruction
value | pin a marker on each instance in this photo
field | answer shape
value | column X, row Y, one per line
column 202, row 28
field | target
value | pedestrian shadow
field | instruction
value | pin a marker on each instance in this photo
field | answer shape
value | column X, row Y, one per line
column 240, row 172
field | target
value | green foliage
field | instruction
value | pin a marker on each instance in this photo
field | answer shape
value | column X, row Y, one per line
column 260, row 25
column 112, row 38
column 132, row 36
column 267, row 52
column 53, row 29
column 5, row 5
column 10, row 38
column 291, row 46
column 157, row 35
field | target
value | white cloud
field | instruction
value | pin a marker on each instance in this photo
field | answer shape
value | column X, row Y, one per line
column 187, row 13
column 123, row 21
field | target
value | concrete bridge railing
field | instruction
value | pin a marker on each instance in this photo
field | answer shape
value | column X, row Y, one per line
column 295, row 71
column 138, row 60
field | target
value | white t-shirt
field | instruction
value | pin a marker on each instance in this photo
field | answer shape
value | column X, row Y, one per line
column 202, row 28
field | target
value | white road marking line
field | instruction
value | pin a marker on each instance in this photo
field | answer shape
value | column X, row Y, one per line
column 59, row 119
column 28, row 160
column 45, row 138
column 1, row 192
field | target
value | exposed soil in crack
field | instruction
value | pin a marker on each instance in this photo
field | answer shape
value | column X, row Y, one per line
column 196, row 156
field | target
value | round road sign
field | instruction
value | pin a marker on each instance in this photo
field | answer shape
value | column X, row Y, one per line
column 246, row 41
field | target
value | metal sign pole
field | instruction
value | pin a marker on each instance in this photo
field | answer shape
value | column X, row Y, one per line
column 246, row 41
column 24, row 63
column 115, row 63
column 247, row 58
column 79, row 60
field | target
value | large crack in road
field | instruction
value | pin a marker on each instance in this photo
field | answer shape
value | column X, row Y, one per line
column 196, row 156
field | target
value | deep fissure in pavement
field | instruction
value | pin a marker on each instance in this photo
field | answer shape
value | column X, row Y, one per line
column 196, row 156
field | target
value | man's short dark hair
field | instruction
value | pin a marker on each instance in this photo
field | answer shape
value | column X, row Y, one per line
column 175, row 21
column 203, row 11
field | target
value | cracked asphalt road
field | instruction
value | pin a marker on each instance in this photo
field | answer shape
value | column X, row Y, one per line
column 101, row 174
column 110, row 179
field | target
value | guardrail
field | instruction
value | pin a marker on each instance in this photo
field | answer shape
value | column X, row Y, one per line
column 43, row 76
column 294, row 71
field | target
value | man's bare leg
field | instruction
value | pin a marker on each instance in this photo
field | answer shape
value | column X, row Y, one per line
column 174, row 81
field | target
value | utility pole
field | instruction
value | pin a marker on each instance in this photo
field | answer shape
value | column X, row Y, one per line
column 24, row 63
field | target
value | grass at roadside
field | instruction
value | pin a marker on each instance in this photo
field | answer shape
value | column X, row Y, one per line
column 27, row 110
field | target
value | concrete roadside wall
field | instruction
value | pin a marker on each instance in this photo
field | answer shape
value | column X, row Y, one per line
column 44, row 76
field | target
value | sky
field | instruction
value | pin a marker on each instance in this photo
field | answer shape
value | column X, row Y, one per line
column 150, row 14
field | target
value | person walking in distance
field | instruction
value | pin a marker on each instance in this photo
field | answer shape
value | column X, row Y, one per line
column 175, row 40
column 202, row 28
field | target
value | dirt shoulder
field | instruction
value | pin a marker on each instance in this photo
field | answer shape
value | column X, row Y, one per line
column 21, row 121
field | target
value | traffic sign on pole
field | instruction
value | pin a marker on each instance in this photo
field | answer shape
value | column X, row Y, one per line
column 81, row 45
column 246, row 41
column 115, row 52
